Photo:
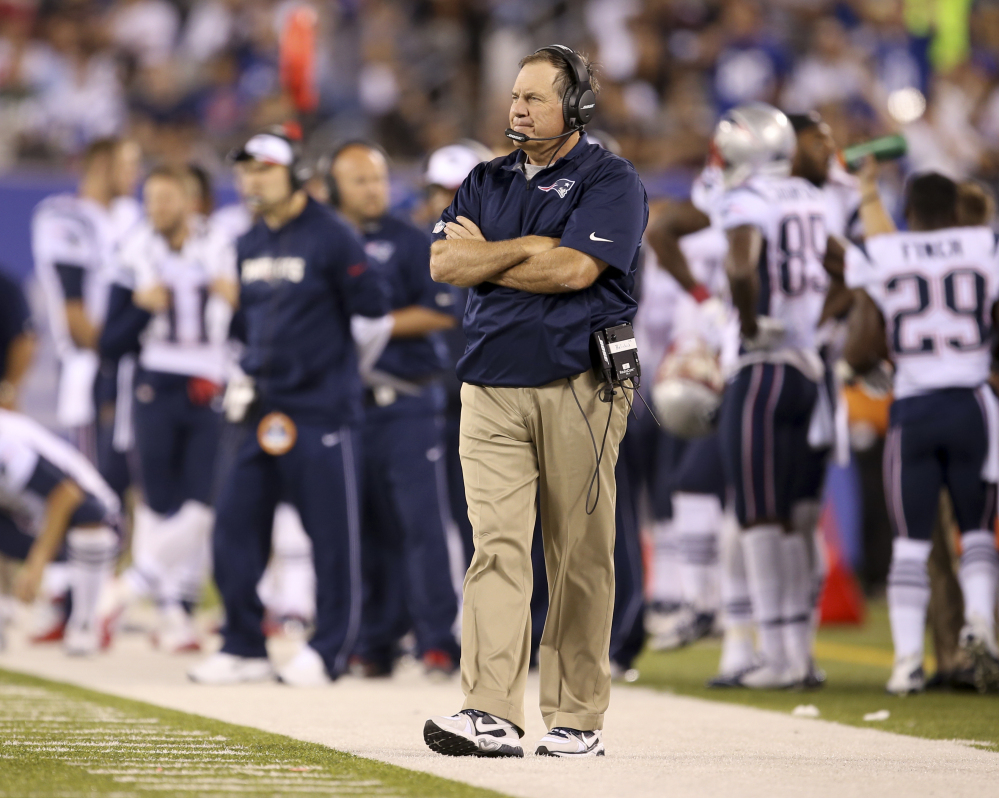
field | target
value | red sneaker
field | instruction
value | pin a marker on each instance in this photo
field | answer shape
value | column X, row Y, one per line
column 438, row 663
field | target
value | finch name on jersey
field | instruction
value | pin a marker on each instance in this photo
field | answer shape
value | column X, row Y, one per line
column 936, row 291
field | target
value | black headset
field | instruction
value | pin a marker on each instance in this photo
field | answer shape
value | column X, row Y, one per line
column 579, row 101
column 327, row 161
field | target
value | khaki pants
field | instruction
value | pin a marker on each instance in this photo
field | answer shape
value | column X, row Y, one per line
column 516, row 444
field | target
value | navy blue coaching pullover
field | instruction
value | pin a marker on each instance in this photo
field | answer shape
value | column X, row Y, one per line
column 400, row 252
column 300, row 284
column 592, row 200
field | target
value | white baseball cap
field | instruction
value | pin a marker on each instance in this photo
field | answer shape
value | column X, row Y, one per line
column 267, row 148
column 450, row 165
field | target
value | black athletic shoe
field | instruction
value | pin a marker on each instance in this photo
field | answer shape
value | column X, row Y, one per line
column 472, row 733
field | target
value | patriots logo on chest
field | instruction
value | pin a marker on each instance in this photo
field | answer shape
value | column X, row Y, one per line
column 560, row 187
column 380, row 251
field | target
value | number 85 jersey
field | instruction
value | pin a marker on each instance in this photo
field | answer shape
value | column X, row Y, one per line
column 790, row 213
column 936, row 291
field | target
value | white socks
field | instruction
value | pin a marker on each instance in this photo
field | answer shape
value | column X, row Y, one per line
column 91, row 556
column 796, row 602
column 738, row 645
column 978, row 573
column 696, row 519
column 189, row 536
column 172, row 555
column 146, row 571
column 908, row 595
column 288, row 586
column 665, row 565
column 763, row 549
column 55, row 580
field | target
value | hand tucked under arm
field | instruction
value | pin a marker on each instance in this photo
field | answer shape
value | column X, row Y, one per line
column 465, row 258
column 557, row 271
column 671, row 222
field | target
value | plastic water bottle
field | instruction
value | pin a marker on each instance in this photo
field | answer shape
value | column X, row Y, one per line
column 886, row 148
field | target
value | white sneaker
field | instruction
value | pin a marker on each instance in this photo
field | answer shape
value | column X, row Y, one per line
column 80, row 642
column 116, row 596
column 661, row 618
column 979, row 642
column 622, row 674
column 766, row 677
column 307, row 669
column 222, row 668
column 48, row 620
column 907, row 676
column 681, row 629
column 473, row 733
column 564, row 742
column 177, row 634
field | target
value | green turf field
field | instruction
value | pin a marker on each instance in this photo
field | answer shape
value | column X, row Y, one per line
column 59, row 741
column 858, row 663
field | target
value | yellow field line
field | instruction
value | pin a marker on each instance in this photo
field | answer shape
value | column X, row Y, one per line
column 860, row 655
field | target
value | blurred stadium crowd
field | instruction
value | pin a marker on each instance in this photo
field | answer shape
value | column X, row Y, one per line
column 187, row 78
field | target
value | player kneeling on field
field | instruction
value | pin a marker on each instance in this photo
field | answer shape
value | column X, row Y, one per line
column 49, row 492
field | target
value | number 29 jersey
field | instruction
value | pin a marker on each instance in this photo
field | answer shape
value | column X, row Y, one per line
column 790, row 212
column 936, row 290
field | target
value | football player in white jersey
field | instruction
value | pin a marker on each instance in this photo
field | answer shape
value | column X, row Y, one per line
column 777, row 235
column 183, row 285
column 51, row 493
column 73, row 240
column 699, row 484
column 928, row 301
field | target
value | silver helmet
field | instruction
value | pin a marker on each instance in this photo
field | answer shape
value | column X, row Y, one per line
column 753, row 139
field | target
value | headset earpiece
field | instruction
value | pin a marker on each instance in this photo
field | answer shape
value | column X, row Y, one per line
column 579, row 101
column 299, row 171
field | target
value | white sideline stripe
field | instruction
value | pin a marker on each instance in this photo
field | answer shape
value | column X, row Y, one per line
column 221, row 766
column 152, row 770
column 224, row 782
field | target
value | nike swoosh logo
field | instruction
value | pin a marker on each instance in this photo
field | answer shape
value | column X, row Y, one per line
column 595, row 237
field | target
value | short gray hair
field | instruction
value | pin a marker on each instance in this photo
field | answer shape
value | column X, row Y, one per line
column 566, row 77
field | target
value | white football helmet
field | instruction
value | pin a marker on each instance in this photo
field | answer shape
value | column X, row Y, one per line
column 753, row 139
column 688, row 391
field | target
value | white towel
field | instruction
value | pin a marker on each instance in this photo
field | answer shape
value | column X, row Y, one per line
column 124, row 434
column 990, row 405
column 371, row 336
column 75, row 405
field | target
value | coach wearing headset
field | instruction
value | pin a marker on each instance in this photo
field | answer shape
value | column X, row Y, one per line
column 293, row 436
column 547, row 240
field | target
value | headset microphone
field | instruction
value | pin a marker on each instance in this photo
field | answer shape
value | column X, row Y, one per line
column 522, row 138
